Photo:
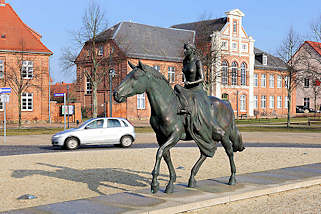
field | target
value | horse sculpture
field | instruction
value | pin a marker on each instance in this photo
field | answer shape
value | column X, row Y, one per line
column 170, row 126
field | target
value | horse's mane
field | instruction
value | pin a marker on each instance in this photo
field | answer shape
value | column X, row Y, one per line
column 157, row 75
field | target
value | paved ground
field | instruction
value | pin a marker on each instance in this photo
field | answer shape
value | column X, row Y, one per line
column 62, row 176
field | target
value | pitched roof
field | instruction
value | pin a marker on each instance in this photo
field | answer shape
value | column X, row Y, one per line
column 148, row 42
column 16, row 35
column 204, row 27
column 315, row 45
column 273, row 63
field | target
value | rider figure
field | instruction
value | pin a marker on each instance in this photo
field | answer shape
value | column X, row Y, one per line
column 193, row 77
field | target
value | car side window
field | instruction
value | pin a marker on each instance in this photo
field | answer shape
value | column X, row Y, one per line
column 113, row 123
column 97, row 124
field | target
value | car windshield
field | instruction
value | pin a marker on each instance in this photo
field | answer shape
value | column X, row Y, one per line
column 85, row 123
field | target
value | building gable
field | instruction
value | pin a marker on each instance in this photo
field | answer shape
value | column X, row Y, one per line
column 16, row 35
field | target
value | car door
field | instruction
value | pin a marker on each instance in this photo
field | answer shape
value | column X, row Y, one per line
column 92, row 132
column 114, row 131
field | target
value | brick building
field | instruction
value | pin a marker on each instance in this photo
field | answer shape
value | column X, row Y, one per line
column 241, row 71
column 159, row 47
column 308, row 92
column 22, row 54
column 252, row 80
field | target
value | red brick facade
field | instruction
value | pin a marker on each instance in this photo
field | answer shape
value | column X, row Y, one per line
column 19, row 43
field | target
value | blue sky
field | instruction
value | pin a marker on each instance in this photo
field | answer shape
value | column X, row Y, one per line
column 266, row 21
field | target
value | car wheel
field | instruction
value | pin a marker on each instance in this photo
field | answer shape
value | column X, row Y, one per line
column 71, row 143
column 126, row 141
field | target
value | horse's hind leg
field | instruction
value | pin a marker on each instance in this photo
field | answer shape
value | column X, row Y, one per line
column 172, row 174
column 229, row 151
column 194, row 171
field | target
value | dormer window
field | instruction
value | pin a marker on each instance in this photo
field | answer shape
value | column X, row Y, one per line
column 264, row 59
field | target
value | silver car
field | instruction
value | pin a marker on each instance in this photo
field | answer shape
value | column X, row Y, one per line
column 96, row 131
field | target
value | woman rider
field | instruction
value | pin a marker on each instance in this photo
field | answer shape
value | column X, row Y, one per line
column 193, row 78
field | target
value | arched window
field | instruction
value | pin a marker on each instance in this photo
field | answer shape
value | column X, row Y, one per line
column 243, row 73
column 224, row 96
column 234, row 73
column 224, row 73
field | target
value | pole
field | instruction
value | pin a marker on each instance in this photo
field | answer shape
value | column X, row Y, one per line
column 49, row 90
column 4, row 123
column 105, row 96
column 237, row 104
column 110, row 93
column 64, row 111
column 68, row 103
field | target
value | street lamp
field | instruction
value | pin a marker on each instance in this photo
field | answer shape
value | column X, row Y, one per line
column 111, row 75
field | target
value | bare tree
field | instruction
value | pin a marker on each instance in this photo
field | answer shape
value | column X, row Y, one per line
column 93, row 23
column 292, row 75
column 209, row 51
column 316, row 30
column 23, row 75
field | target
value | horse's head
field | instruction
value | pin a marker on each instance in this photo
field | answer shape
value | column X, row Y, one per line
column 134, row 83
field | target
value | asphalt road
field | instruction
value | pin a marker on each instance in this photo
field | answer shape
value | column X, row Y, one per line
column 7, row 150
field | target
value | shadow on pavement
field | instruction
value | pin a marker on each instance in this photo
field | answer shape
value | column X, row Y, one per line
column 94, row 178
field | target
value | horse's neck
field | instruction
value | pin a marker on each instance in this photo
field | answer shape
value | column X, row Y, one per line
column 162, row 98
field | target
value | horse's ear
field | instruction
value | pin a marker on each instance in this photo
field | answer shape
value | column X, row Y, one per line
column 141, row 66
column 131, row 65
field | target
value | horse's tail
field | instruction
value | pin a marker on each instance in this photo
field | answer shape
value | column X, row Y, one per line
column 236, row 139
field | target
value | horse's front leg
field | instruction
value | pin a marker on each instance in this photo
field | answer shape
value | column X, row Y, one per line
column 160, row 152
column 171, row 169
column 227, row 144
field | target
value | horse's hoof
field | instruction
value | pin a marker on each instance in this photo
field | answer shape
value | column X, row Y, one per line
column 154, row 188
column 192, row 183
column 232, row 181
column 169, row 188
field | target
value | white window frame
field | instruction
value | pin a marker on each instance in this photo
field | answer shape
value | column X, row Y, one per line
column 263, row 80
column 279, row 101
column 264, row 59
column 279, row 81
column 243, row 102
column 27, row 69
column 244, row 47
column 141, row 101
column 286, row 102
column 234, row 73
column 271, row 104
column 224, row 69
column 89, row 88
column 1, row 69
column 255, row 80
column 157, row 68
column 234, row 26
column 26, row 101
column 234, row 46
column 271, row 81
column 100, row 50
column 171, row 74
column 286, row 82
column 243, row 73
column 224, row 45
column 263, row 101
column 306, row 100
column 256, row 102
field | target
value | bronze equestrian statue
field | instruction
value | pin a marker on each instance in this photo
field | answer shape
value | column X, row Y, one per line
column 185, row 113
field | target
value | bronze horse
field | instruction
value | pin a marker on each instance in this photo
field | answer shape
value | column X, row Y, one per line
column 170, row 126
